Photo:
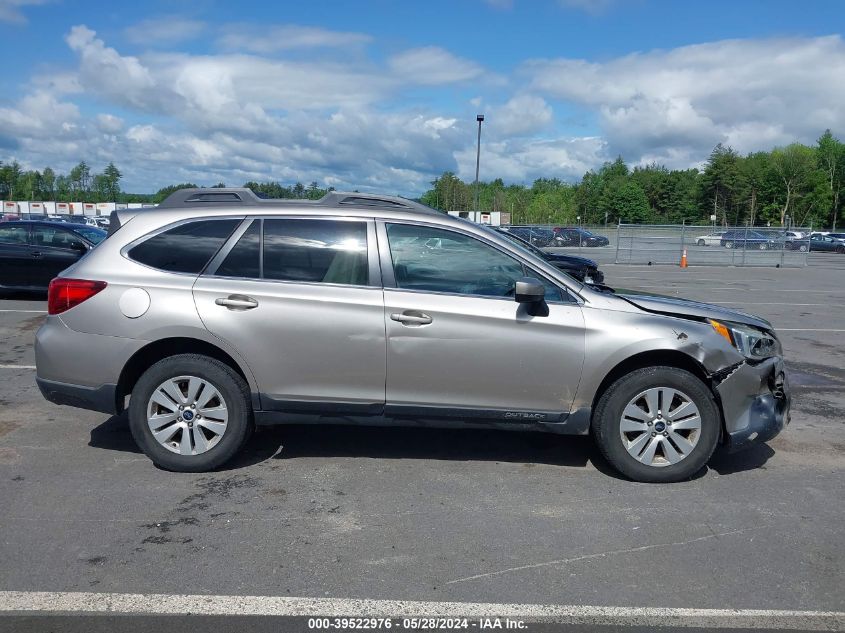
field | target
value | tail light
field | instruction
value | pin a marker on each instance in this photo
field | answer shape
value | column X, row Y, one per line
column 63, row 294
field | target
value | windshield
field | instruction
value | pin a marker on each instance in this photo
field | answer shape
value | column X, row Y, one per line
column 90, row 233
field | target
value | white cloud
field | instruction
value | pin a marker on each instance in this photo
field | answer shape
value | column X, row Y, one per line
column 679, row 103
column 166, row 29
column 11, row 10
column 521, row 115
column 287, row 37
column 433, row 65
column 109, row 123
column 520, row 160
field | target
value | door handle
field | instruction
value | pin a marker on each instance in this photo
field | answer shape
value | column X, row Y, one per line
column 237, row 302
column 411, row 319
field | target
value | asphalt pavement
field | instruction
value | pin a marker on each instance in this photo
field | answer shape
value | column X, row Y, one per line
column 443, row 515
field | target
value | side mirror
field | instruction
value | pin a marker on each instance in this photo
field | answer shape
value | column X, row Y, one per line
column 529, row 290
column 532, row 293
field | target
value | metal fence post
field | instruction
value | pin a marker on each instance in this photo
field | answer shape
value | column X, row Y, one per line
column 782, row 246
column 618, row 238
column 744, row 244
column 683, row 235
column 807, row 252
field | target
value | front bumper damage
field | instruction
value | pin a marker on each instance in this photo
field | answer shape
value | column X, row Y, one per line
column 755, row 401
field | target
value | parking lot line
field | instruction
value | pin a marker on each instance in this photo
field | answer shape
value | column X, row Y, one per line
column 17, row 366
column 28, row 311
column 167, row 604
column 804, row 329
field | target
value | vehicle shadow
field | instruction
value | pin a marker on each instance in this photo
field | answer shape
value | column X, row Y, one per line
column 297, row 441
column 751, row 458
column 300, row 441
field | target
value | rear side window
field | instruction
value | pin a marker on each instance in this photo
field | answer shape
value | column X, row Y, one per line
column 327, row 251
column 244, row 260
column 186, row 248
column 13, row 234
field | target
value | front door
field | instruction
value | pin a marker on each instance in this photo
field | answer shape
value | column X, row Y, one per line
column 458, row 345
column 306, row 315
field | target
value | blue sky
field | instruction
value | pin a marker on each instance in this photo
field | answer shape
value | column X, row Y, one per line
column 383, row 95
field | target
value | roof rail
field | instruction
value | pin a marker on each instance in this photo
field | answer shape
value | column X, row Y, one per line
column 242, row 197
column 230, row 196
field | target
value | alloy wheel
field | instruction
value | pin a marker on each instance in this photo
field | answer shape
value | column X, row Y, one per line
column 187, row 415
column 660, row 426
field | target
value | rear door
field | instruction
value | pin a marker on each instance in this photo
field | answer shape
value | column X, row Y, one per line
column 301, row 300
column 54, row 249
column 16, row 261
column 458, row 345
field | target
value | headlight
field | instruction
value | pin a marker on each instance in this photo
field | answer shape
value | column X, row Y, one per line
column 749, row 341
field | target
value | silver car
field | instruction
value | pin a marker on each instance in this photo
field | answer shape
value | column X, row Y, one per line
column 218, row 311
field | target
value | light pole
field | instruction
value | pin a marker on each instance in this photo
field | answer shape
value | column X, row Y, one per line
column 478, row 118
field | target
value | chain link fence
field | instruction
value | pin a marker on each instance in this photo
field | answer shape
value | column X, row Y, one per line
column 712, row 246
column 705, row 245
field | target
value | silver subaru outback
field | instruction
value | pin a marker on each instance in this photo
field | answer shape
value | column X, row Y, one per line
column 218, row 311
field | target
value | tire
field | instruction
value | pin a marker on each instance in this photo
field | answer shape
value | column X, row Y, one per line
column 803, row 248
column 613, row 404
column 229, row 398
column 701, row 243
column 763, row 246
column 729, row 244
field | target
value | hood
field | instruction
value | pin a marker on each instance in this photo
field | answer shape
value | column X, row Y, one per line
column 575, row 260
column 673, row 306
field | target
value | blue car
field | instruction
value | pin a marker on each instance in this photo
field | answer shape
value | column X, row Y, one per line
column 749, row 239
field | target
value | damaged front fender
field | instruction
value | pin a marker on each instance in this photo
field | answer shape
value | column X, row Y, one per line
column 755, row 401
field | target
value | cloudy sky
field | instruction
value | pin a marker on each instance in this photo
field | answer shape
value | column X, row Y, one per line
column 382, row 94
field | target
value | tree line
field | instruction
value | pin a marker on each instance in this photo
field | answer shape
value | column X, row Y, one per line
column 798, row 185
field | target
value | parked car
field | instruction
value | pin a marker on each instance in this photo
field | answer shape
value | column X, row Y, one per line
column 581, row 268
column 537, row 236
column 569, row 236
column 743, row 238
column 711, row 239
column 33, row 252
column 818, row 242
column 217, row 311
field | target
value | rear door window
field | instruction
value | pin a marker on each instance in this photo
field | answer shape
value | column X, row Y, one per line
column 13, row 234
column 185, row 248
column 52, row 237
column 244, row 260
column 322, row 251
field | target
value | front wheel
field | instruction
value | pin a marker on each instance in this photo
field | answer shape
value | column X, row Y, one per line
column 701, row 242
column 763, row 246
column 657, row 425
column 190, row 413
column 729, row 244
column 803, row 248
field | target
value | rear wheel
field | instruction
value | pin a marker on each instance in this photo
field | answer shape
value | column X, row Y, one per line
column 803, row 248
column 190, row 413
column 658, row 424
column 729, row 244
column 701, row 242
column 763, row 246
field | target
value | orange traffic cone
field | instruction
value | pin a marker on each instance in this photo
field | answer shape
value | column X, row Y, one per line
column 684, row 259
